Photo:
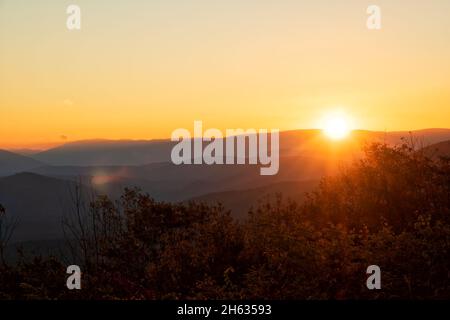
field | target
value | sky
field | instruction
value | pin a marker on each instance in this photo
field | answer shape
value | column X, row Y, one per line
column 141, row 69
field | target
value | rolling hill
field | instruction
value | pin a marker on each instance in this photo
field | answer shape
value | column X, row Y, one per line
column 11, row 163
column 166, row 181
column 42, row 196
column 38, row 203
column 239, row 202
column 107, row 152
column 438, row 150
column 143, row 152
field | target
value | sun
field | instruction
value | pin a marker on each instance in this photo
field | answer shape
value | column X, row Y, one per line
column 336, row 126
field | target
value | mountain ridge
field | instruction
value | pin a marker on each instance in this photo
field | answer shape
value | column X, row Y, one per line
column 12, row 162
column 96, row 152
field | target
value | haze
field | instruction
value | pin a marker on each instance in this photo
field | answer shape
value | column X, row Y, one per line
column 140, row 69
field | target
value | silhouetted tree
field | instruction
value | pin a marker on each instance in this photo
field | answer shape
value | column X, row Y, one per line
column 7, row 227
column 391, row 208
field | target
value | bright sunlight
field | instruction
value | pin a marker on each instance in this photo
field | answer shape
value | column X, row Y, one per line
column 336, row 126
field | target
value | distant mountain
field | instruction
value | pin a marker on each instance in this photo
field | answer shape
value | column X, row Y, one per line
column 38, row 203
column 304, row 155
column 169, row 182
column 292, row 143
column 428, row 137
column 41, row 202
column 107, row 152
column 313, row 142
column 11, row 163
column 25, row 152
column 438, row 150
column 42, row 197
column 241, row 201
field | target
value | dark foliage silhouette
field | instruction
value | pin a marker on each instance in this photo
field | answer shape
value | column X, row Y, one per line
column 390, row 209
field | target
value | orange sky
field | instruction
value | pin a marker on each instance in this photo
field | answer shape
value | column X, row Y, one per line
column 140, row 69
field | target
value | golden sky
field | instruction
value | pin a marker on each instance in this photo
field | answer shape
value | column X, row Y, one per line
column 141, row 69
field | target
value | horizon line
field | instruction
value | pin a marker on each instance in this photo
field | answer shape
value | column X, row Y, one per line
column 51, row 145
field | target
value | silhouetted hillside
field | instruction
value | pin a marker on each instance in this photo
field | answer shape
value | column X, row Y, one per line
column 11, row 163
column 241, row 201
column 166, row 181
column 441, row 149
column 38, row 203
column 107, row 152
column 391, row 208
column 40, row 199
column 292, row 143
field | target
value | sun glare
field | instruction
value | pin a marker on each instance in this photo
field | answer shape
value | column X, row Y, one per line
column 336, row 126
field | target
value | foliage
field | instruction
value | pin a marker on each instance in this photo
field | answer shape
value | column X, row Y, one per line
column 390, row 209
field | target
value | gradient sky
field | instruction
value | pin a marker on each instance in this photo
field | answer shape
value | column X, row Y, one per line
column 140, row 69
